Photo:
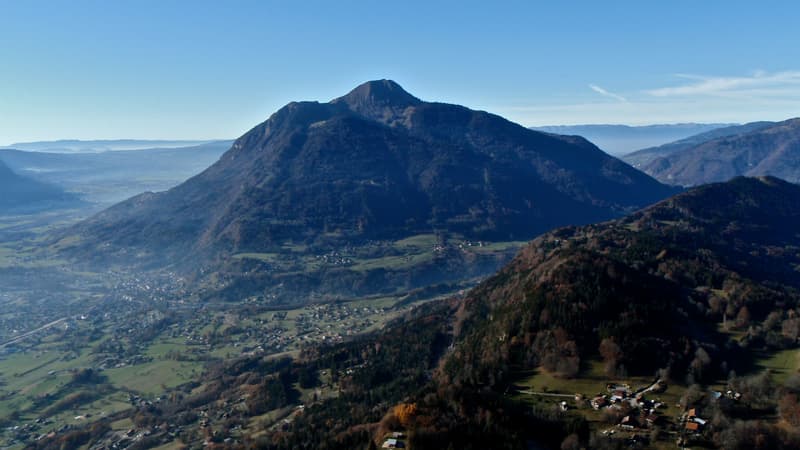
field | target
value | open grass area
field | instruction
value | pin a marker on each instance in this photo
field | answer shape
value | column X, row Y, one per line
column 266, row 257
column 25, row 376
column 782, row 364
column 106, row 405
column 160, row 348
column 121, row 425
column 590, row 382
column 393, row 262
column 420, row 241
column 155, row 377
column 492, row 247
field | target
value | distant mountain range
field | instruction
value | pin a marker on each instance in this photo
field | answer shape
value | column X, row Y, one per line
column 641, row 158
column 20, row 194
column 112, row 176
column 376, row 163
column 95, row 146
column 622, row 139
column 755, row 149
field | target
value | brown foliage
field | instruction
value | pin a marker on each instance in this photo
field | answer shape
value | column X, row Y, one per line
column 405, row 413
column 789, row 409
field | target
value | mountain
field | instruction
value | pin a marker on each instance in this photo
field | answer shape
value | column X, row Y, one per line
column 773, row 149
column 684, row 295
column 654, row 278
column 112, row 176
column 94, row 146
column 377, row 163
column 20, row 194
column 622, row 139
column 640, row 158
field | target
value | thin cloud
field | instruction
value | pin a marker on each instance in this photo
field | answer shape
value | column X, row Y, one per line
column 606, row 93
column 760, row 83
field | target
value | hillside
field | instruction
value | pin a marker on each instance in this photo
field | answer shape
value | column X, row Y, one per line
column 654, row 279
column 640, row 158
column 622, row 139
column 20, row 194
column 377, row 163
column 770, row 150
column 690, row 292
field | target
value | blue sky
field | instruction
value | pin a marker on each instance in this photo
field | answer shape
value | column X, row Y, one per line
column 197, row 70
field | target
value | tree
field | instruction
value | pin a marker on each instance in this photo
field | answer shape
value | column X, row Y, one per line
column 789, row 409
column 700, row 362
column 743, row 318
column 612, row 354
column 571, row 442
column 691, row 396
column 405, row 413
column 790, row 328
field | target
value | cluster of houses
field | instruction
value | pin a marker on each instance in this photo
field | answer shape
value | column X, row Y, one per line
column 334, row 258
column 642, row 412
column 693, row 422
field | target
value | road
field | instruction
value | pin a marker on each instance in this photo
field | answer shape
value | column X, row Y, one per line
column 32, row 332
column 547, row 394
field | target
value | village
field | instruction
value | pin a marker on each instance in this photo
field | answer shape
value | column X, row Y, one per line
column 142, row 339
column 639, row 416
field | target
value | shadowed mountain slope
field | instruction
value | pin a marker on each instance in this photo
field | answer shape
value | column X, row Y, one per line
column 377, row 163
column 20, row 194
column 768, row 150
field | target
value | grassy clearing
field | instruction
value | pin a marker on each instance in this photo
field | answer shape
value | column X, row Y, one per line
column 393, row 262
column 121, row 425
column 91, row 411
column 160, row 349
column 782, row 364
column 420, row 241
column 492, row 247
column 27, row 375
column 590, row 383
column 266, row 257
column 155, row 377
column 379, row 302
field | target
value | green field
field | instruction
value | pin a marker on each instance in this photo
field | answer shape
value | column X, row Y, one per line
column 155, row 377
column 781, row 364
column 26, row 375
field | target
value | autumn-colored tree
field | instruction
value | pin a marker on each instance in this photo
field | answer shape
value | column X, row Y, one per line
column 405, row 413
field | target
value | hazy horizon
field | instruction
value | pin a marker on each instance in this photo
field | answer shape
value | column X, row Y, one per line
column 163, row 71
column 146, row 139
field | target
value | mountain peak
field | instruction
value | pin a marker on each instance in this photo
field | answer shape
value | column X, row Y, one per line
column 374, row 95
